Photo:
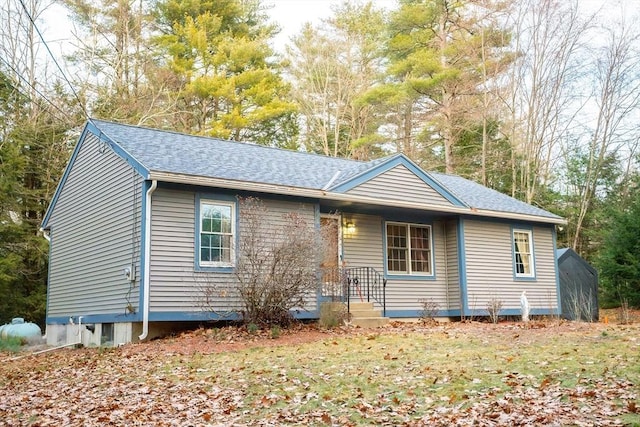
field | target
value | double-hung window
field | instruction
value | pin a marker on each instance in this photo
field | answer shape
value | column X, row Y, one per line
column 409, row 249
column 523, row 253
column 217, row 234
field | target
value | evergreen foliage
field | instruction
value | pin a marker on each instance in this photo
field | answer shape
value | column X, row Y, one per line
column 619, row 258
column 34, row 146
column 226, row 79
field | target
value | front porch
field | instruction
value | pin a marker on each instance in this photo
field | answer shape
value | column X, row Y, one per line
column 361, row 290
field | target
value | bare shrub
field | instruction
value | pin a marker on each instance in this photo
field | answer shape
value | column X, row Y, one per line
column 494, row 306
column 213, row 298
column 580, row 305
column 429, row 311
column 624, row 315
column 277, row 264
column 332, row 315
column 472, row 311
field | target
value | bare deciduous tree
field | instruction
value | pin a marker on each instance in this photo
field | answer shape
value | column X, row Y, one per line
column 617, row 97
column 542, row 100
column 332, row 66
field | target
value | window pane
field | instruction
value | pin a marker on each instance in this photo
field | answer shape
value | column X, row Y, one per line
column 215, row 240
column 225, row 255
column 396, row 236
column 419, row 237
column 420, row 261
column 215, row 223
column 397, row 260
column 225, row 242
column 207, row 211
column 420, row 249
column 216, row 233
column 215, row 254
column 397, row 250
column 225, row 219
column 522, row 251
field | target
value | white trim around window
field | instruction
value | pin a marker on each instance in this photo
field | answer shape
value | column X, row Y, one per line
column 408, row 249
column 216, row 234
column 523, row 255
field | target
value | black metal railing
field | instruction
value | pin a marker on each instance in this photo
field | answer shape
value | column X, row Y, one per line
column 366, row 284
column 362, row 283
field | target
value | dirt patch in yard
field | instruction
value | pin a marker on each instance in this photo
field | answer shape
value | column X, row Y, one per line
column 235, row 338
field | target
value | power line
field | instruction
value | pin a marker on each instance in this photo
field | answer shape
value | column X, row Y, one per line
column 21, row 77
column 35, row 27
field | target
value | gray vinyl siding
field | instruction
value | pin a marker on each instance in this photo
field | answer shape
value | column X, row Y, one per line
column 365, row 249
column 95, row 235
column 489, row 266
column 452, row 264
column 175, row 285
column 401, row 184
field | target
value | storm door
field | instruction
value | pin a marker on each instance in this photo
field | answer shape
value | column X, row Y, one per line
column 331, row 233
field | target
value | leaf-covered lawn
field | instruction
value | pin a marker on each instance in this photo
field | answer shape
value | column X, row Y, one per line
column 450, row 374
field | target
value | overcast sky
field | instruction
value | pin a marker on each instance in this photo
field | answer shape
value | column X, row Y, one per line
column 291, row 15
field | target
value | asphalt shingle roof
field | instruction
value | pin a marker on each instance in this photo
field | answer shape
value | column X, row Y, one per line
column 176, row 153
column 172, row 152
column 480, row 197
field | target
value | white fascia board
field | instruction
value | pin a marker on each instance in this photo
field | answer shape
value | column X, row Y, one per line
column 328, row 195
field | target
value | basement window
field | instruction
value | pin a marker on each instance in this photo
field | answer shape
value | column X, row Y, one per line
column 106, row 334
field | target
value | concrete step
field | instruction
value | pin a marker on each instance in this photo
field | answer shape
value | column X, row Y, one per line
column 365, row 313
column 360, row 306
column 369, row 322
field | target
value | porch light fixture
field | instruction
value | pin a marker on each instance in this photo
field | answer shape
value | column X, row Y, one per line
column 349, row 229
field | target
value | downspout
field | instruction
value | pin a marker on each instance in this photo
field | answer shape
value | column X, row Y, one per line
column 147, row 261
column 47, row 236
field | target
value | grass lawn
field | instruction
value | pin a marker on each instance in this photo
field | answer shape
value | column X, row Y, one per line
column 448, row 374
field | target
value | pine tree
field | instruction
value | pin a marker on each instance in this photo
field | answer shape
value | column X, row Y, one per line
column 442, row 56
column 224, row 74
column 619, row 258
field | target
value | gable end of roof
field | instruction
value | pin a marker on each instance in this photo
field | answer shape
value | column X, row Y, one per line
column 390, row 163
column 90, row 128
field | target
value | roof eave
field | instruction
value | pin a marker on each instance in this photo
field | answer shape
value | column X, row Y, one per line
column 329, row 195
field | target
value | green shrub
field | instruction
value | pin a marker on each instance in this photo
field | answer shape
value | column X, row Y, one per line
column 275, row 332
column 11, row 344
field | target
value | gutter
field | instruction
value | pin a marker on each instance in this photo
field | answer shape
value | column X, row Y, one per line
column 45, row 234
column 328, row 195
column 147, row 261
